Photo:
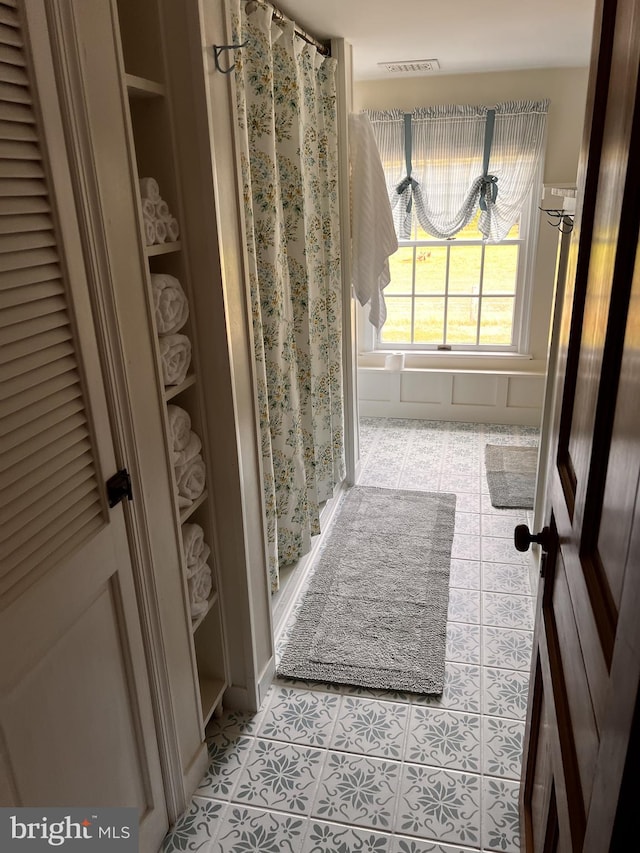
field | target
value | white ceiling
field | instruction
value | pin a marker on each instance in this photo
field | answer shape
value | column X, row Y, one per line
column 465, row 36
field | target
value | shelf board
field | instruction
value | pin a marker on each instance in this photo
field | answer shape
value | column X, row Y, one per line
column 140, row 87
column 163, row 248
column 211, row 690
column 195, row 625
column 189, row 510
column 172, row 391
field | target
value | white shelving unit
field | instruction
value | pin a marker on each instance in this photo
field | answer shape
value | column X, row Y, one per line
column 152, row 141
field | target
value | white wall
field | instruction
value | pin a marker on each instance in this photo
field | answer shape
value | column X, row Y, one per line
column 513, row 385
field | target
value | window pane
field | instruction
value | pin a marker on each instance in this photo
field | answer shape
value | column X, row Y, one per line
column 464, row 269
column 397, row 327
column 500, row 269
column 496, row 324
column 401, row 269
column 431, row 269
column 462, row 320
column 429, row 322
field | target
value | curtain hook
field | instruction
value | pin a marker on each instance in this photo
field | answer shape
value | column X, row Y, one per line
column 218, row 50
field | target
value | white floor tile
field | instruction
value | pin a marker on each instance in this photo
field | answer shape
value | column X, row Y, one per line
column 444, row 739
column 369, row 727
column 440, row 805
column 298, row 716
column 357, row 791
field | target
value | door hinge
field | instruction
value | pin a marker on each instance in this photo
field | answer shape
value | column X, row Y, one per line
column 119, row 487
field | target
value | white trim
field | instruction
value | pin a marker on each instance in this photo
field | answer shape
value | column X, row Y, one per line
column 341, row 50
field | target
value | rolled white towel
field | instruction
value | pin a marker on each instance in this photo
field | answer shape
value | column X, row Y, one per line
column 161, row 210
column 183, row 502
column 192, row 449
column 149, row 189
column 161, row 230
column 200, row 585
column 175, row 358
column 148, row 208
column 173, row 229
column 149, row 230
column 199, row 609
column 196, row 550
column 191, row 478
column 169, row 302
column 192, row 568
column 179, row 427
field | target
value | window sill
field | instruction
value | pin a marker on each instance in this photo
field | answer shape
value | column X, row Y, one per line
column 508, row 362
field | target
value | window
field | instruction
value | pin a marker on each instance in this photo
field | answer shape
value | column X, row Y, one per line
column 462, row 182
column 458, row 294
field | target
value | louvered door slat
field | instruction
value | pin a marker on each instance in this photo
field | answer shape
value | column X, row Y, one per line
column 23, row 260
column 14, row 537
column 14, row 93
column 18, row 149
column 16, row 130
column 31, row 396
column 8, row 16
column 22, row 241
column 21, row 348
column 14, row 540
column 30, row 293
column 29, row 275
column 21, row 113
column 42, row 416
column 10, row 36
column 26, row 222
column 19, row 367
column 12, row 74
column 54, row 546
column 16, row 481
column 23, row 315
column 36, row 326
column 30, row 505
column 11, row 55
column 22, row 186
column 35, row 452
column 40, row 432
column 40, row 376
column 21, row 168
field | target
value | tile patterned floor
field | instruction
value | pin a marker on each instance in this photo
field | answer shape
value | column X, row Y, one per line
column 327, row 769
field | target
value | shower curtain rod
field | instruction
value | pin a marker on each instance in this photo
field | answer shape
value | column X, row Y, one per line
column 280, row 16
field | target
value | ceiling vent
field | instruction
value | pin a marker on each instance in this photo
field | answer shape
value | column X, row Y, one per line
column 414, row 66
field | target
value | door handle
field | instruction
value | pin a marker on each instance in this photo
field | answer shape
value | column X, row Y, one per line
column 523, row 537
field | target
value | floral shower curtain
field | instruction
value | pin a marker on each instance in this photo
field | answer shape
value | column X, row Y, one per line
column 288, row 139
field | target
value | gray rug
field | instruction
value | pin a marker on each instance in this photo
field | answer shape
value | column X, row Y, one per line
column 511, row 475
column 375, row 612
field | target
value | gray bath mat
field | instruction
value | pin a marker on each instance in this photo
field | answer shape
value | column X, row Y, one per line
column 375, row 612
column 511, row 475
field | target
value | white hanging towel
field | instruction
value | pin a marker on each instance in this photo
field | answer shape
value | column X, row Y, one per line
column 373, row 236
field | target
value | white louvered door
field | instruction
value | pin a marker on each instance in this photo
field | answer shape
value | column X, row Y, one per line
column 76, row 720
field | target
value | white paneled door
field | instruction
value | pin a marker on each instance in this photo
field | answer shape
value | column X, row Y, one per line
column 76, row 717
